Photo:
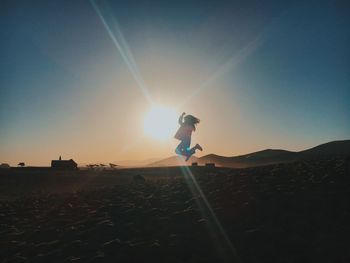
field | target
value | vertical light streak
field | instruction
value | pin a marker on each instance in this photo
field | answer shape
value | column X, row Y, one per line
column 124, row 50
column 224, row 245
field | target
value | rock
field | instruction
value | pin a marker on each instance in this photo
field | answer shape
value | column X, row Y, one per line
column 139, row 178
column 202, row 220
column 112, row 245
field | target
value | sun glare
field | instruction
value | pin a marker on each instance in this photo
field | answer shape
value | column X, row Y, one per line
column 160, row 122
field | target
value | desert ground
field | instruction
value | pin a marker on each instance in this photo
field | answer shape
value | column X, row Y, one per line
column 293, row 212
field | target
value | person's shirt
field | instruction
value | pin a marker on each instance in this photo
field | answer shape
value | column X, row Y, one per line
column 184, row 132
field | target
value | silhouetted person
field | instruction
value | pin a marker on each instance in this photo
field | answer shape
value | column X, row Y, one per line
column 187, row 126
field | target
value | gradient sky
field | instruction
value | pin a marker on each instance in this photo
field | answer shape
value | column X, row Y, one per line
column 259, row 74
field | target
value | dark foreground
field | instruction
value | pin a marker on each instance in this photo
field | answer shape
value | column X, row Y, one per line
column 297, row 212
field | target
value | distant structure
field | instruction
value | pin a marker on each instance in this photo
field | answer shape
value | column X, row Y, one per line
column 112, row 165
column 22, row 164
column 91, row 166
column 195, row 164
column 64, row 164
column 5, row 165
column 210, row 164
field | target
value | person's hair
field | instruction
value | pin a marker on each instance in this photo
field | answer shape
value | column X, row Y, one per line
column 191, row 120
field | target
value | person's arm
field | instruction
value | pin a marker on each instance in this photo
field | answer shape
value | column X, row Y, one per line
column 181, row 122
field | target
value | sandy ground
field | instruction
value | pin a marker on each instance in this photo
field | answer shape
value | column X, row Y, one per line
column 297, row 212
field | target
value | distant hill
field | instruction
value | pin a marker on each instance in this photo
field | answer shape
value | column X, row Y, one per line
column 265, row 157
column 330, row 148
column 269, row 156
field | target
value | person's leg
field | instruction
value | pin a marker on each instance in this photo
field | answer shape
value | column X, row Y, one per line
column 198, row 147
column 189, row 151
column 181, row 149
column 193, row 151
column 184, row 148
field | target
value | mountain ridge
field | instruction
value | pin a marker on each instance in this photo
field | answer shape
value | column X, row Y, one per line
column 263, row 157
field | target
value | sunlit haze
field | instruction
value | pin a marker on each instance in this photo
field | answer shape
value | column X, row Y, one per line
column 160, row 122
column 106, row 81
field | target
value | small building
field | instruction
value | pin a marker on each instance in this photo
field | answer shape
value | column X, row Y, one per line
column 64, row 164
column 5, row 165
column 210, row 164
column 195, row 164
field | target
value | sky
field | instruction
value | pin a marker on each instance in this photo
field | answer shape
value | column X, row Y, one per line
column 78, row 77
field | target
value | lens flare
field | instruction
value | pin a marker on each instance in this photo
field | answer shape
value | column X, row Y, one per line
column 223, row 244
column 115, row 33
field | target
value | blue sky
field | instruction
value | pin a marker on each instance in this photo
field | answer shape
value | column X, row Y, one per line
column 279, row 76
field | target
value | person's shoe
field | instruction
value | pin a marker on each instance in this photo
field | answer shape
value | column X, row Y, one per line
column 199, row 147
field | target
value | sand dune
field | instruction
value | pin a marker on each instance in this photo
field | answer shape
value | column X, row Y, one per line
column 266, row 157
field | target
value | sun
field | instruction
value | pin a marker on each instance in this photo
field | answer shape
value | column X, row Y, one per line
column 160, row 122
